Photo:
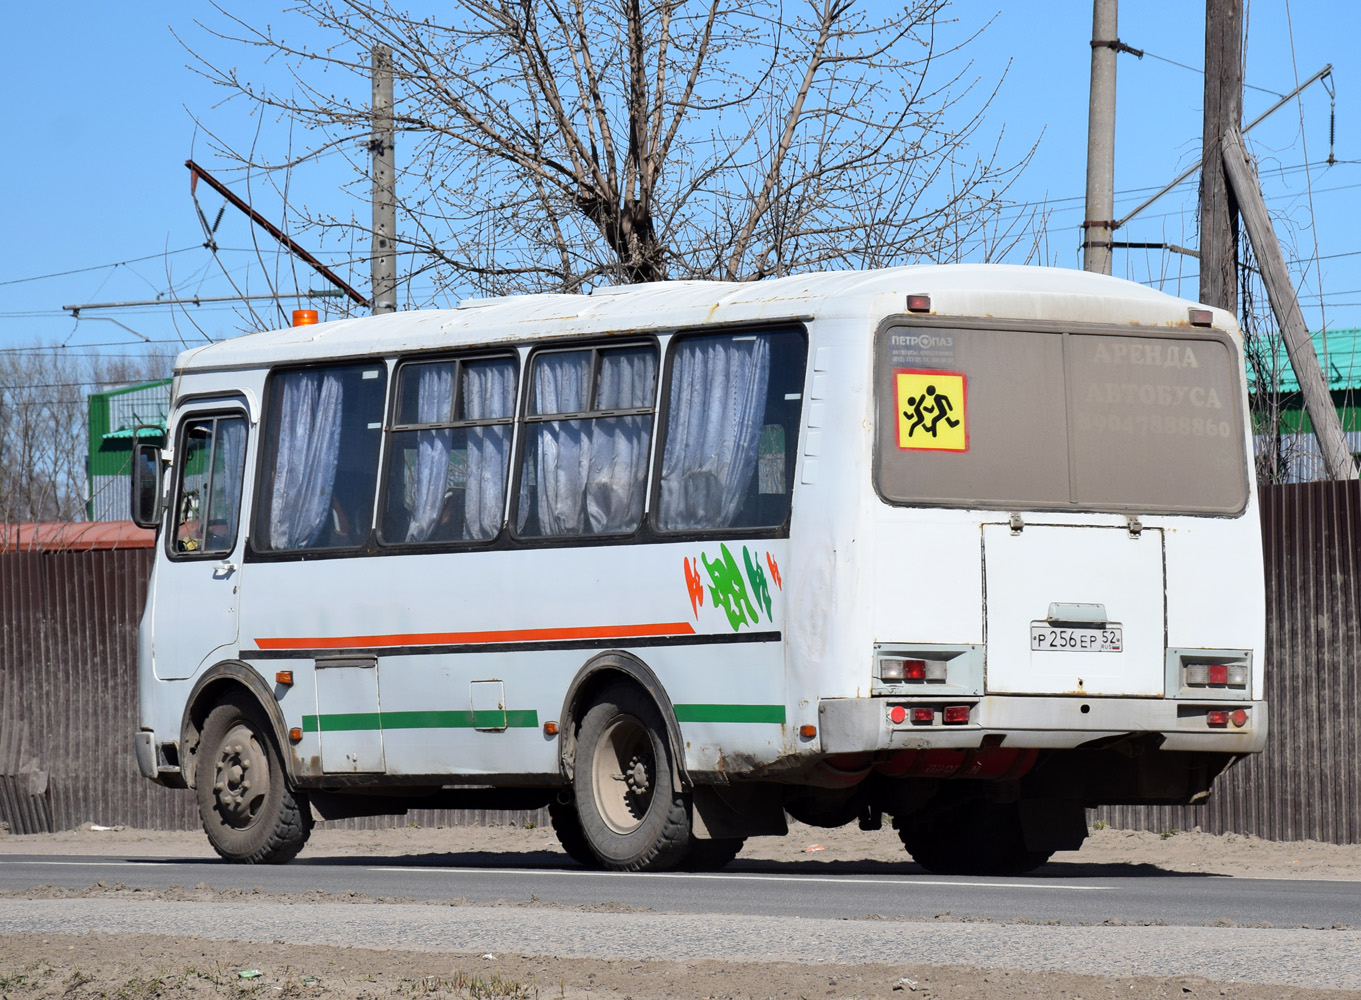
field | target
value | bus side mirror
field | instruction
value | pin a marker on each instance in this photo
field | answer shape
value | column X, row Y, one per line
column 145, row 502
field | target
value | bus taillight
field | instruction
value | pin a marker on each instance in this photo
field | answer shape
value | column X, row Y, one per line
column 1216, row 675
column 893, row 670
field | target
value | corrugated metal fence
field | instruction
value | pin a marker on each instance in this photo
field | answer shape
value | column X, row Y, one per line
column 70, row 601
column 68, row 691
column 1307, row 784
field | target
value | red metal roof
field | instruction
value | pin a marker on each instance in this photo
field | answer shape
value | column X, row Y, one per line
column 65, row 536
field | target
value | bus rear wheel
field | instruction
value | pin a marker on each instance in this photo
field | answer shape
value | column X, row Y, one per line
column 973, row 838
column 632, row 816
column 562, row 813
column 250, row 814
column 712, row 855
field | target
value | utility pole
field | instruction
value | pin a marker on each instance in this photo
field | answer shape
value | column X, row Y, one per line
column 383, row 292
column 1098, row 227
column 1229, row 185
column 1223, row 109
column 1318, row 402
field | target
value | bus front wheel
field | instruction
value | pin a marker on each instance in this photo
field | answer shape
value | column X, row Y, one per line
column 632, row 816
column 250, row 814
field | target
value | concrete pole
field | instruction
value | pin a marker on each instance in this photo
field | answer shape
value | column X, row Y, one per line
column 1223, row 110
column 1096, row 254
column 384, row 259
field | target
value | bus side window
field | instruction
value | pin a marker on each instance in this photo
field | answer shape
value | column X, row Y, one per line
column 732, row 424
column 449, row 454
column 322, row 435
column 212, row 462
column 588, row 430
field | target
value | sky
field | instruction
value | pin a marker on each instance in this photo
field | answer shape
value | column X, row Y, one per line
column 98, row 206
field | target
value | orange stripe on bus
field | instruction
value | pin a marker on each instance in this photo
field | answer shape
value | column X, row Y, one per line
column 478, row 638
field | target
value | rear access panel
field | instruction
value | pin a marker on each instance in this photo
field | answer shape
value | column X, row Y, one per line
column 1074, row 610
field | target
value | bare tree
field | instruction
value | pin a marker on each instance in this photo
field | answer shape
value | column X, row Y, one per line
column 550, row 145
column 43, row 431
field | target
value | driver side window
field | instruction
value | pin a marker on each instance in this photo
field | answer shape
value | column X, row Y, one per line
column 210, row 469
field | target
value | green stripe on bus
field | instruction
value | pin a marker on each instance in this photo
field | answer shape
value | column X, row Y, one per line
column 352, row 721
column 730, row 713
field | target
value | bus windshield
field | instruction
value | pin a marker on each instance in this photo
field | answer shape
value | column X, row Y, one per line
column 1096, row 420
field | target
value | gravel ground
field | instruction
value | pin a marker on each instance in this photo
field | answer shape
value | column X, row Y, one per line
column 297, row 945
column 143, row 967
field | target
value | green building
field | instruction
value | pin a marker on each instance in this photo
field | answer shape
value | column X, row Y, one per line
column 1299, row 459
column 115, row 417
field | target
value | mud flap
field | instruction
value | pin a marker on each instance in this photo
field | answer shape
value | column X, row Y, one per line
column 738, row 810
column 1052, row 824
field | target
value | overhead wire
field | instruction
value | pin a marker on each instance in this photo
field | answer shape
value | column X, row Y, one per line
column 1308, row 180
column 1201, row 71
column 98, row 267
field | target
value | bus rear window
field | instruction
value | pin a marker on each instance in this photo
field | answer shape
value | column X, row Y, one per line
column 1088, row 420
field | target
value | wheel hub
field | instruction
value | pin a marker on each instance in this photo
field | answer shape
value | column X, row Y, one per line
column 636, row 777
column 623, row 773
column 241, row 778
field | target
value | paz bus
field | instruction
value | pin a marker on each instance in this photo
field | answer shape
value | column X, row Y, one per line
column 974, row 547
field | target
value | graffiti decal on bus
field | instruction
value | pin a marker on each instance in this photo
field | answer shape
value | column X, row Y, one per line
column 742, row 597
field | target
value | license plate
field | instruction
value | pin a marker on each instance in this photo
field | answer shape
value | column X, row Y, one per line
column 1076, row 640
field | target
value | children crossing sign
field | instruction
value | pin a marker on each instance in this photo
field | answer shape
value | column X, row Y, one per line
column 931, row 409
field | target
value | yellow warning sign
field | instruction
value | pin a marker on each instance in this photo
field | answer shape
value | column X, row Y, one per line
column 931, row 409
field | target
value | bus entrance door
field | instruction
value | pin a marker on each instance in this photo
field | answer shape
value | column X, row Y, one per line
column 196, row 600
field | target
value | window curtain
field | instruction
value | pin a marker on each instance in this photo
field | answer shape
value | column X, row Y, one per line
column 231, row 452
column 561, row 385
column 434, row 404
column 617, row 470
column 308, row 444
column 488, row 393
column 591, row 474
column 718, row 400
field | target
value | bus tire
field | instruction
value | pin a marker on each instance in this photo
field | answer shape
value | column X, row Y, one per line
column 562, row 813
column 713, row 855
column 250, row 814
column 632, row 816
column 974, row 838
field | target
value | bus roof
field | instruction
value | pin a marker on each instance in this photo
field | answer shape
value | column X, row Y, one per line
column 978, row 290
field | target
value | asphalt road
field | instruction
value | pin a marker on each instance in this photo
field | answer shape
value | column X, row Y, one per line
column 1064, row 893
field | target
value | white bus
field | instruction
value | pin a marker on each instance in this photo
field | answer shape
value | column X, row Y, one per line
column 973, row 546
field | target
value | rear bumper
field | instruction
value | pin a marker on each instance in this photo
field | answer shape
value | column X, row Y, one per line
column 854, row 725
